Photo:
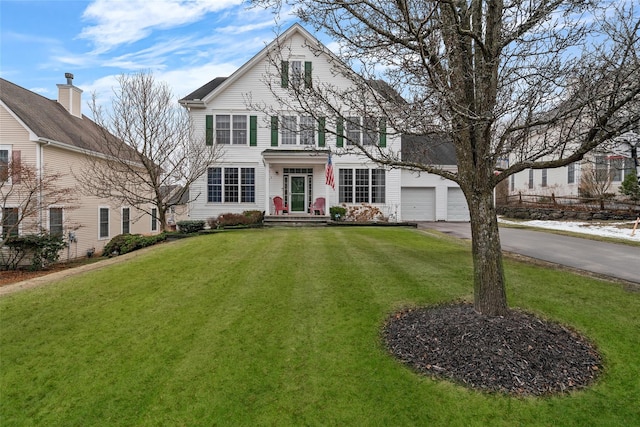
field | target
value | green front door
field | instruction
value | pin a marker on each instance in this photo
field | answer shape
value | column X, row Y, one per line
column 297, row 193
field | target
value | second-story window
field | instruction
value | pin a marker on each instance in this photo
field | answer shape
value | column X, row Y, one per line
column 304, row 134
column 231, row 129
column 4, row 164
column 365, row 131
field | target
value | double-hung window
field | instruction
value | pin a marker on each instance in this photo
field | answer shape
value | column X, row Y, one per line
column 571, row 173
column 353, row 130
column 4, row 163
column 295, row 73
column 55, row 222
column 103, row 214
column 365, row 131
column 307, row 130
column 361, row 185
column 126, row 220
column 616, row 168
column 231, row 129
column 154, row 219
column 289, row 130
column 292, row 134
column 9, row 222
column 231, row 185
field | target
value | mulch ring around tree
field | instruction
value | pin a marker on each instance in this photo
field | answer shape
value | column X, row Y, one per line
column 518, row 354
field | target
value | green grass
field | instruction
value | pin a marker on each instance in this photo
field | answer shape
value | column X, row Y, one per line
column 282, row 327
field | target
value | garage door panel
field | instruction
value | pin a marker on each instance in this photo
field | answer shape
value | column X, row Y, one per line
column 457, row 208
column 419, row 204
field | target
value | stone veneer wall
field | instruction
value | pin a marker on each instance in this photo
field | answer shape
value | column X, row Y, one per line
column 546, row 214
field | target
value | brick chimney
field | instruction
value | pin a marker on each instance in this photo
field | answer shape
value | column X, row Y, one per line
column 70, row 97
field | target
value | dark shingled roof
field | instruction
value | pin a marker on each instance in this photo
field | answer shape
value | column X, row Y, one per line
column 203, row 91
column 436, row 149
column 48, row 119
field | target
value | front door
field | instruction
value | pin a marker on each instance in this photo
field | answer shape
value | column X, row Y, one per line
column 297, row 193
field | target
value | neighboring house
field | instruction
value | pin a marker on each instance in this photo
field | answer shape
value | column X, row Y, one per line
column 271, row 152
column 604, row 170
column 54, row 137
column 178, row 202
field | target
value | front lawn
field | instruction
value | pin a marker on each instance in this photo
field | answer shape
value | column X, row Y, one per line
column 283, row 327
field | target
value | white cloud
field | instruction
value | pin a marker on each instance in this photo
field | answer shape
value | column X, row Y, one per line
column 122, row 22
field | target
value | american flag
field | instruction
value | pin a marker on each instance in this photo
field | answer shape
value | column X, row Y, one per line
column 328, row 174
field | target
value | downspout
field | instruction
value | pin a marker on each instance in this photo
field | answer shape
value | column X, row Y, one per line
column 40, row 175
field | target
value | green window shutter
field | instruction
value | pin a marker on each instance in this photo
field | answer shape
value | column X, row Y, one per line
column 253, row 131
column 321, row 124
column 383, row 132
column 307, row 74
column 209, row 130
column 274, row 131
column 340, row 132
column 284, row 73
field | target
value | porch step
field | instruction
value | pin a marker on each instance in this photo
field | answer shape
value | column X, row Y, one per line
column 296, row 220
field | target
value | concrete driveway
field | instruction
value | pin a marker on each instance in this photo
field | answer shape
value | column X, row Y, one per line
column 618, row 261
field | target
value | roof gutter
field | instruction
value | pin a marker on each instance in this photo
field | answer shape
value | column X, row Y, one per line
column 83, row 151
column 195, row 104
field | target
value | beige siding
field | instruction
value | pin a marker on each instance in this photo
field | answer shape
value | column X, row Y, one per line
column 81, row 215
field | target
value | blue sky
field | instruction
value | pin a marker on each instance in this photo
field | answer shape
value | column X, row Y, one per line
column 184, row 43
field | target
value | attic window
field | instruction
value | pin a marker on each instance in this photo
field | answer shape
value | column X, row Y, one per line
column 294, row 73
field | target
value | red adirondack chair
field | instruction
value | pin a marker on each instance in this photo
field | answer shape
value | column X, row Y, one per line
column 318, row 206
column 279, row 205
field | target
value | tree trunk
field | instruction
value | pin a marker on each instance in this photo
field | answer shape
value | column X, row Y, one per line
column 488, row 281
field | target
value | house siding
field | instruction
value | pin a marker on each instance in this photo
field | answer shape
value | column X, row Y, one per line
column 249, row 83
column 80, row 216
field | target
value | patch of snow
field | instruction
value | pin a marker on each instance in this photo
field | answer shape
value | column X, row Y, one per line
column 619, row 230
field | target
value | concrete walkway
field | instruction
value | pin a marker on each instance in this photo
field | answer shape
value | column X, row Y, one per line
column 618, row 261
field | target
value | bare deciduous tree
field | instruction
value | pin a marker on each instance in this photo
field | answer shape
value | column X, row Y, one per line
column 538, row 82
column 26, row 195
column 148, row 148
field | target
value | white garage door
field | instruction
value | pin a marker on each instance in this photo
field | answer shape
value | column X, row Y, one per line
column 419, row 204
column 457, row 209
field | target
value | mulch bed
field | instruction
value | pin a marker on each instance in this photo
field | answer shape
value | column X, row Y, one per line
column 518, row 354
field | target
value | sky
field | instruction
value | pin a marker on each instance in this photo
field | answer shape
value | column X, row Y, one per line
column 183, row 43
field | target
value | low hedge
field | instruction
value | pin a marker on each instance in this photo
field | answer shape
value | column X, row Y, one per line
column 124, row 243
column 246, row 218
column 190, row 226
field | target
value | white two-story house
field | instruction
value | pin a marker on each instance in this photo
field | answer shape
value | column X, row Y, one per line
column 272, row 151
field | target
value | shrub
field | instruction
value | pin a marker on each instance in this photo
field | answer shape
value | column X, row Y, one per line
column 234, row 219
column 124, row 243
column 190, row 226
column 337, row 212
column 630, row 187
column 43, row 250
column 365, row 213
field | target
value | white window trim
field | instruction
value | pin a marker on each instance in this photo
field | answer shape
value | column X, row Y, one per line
column 9, row 149
column 49, row 217
column 2, row 219
column 247, row 130
column 122, row 219
column 239, row 167
column 151, row 227
column 108, row 223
